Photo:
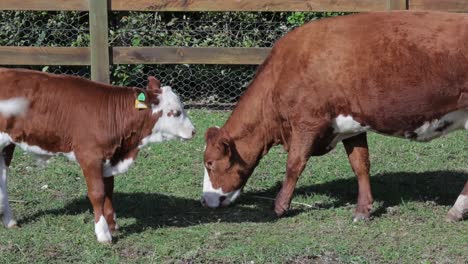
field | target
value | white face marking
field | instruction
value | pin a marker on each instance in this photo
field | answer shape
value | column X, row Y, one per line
column 211, row 196
column 102, row 230
column 121, row 167
column 449, row 122
column 169, row 127
column 345, row 127
column 17, row 106
column 5, row 210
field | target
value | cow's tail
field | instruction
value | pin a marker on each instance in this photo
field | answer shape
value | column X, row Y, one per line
column 17, row 106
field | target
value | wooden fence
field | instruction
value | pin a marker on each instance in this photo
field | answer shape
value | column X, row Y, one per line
column 100, row 56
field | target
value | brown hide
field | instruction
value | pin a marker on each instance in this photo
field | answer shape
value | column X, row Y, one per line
column 73, row 114
column 389, row 71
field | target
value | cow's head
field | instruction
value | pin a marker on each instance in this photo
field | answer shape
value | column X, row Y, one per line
column 173, row 121
column 225, row 172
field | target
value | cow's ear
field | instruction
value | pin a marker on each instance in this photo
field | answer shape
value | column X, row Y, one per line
column 220, row 139
column 153, row 83
column 211, row 134
column 225, row 143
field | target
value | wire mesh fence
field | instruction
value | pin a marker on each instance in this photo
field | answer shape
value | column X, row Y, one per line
column 200, row 86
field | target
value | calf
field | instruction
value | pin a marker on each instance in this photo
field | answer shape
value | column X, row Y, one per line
column 102, row 127
column 401, row 74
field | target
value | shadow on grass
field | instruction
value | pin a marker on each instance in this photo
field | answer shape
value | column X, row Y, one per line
column 440, row 187
column 153, row 210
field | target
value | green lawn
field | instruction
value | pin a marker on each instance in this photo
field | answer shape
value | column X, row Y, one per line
column 161, row 219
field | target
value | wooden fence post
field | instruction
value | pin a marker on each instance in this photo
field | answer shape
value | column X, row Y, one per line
column 98, row 28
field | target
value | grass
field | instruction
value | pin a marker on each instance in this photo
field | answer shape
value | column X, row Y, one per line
column 161, row 219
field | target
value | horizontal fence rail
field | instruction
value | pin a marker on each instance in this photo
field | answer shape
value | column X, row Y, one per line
column 257, row 5
column 45, row 5
column 240, row 5
column 182, row 55
column 44, row 56
column 98, row 54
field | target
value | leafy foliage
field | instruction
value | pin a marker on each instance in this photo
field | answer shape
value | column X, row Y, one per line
column 208, row 85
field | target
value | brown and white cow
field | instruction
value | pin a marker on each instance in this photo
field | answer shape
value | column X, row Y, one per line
column 401, row 74
column 102, row 127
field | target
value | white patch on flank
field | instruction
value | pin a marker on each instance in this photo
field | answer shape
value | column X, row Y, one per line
column 5, row 210
column 345, row 127
column 17, row 106
column 169, row 127
column 457, row 120
column 211, row 196
column 41, row 155
column 120, row 167
column 102, row 230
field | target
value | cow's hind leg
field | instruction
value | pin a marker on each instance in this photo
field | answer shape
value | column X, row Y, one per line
column 109, row 212
column 358, row 156
column 459, row 211
column 5, row 210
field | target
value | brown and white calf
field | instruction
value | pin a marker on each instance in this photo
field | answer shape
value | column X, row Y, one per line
column 99, row 126
column 401, row 74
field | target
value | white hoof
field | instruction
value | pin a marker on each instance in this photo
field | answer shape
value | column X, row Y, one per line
column 102, row 231
column 11, row 224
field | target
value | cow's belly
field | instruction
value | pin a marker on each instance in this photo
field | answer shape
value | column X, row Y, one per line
column 346, row 126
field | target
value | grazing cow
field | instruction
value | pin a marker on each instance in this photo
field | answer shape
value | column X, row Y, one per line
column 102, row 127
column 402, row 74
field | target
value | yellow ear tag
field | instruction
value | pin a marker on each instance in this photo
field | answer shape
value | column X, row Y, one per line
column 140, row 105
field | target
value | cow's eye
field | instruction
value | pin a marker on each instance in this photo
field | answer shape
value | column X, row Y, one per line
column 177, row 113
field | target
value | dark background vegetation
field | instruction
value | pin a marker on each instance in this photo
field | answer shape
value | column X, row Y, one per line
column 199, row 85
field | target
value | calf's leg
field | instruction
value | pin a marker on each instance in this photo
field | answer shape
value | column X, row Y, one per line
column 459, row 211
column 5, row 210
column 92, row 170
column 109, row 212
column 358, row 156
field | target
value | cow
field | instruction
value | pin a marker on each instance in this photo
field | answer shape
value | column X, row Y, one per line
column 402, row 74
column 102, row 127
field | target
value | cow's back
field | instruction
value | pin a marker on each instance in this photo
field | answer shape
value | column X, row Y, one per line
column 60, row 108
column 391, row 71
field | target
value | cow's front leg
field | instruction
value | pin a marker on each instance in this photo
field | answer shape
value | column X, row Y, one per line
column 109, row 212
column 300, row 149
column 358, row 156
column 459, row 211
column 92, row 171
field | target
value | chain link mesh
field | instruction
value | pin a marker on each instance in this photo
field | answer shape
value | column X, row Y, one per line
column 200, row 86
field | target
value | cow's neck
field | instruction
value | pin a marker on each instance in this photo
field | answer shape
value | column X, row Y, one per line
column 131, row 128
column 254, row 125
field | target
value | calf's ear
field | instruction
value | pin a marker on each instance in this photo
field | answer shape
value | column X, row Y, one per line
column 153, row 90
column 153, row 83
